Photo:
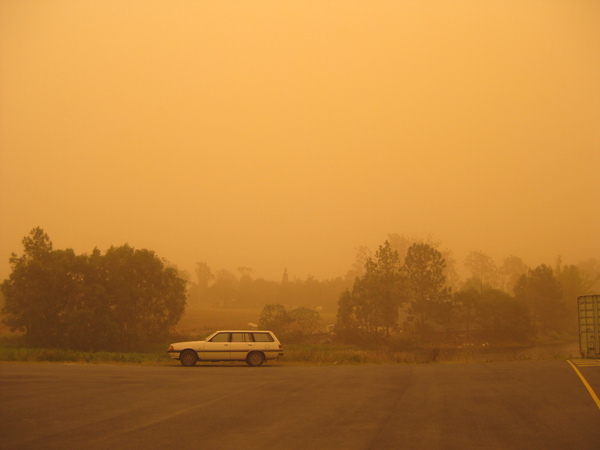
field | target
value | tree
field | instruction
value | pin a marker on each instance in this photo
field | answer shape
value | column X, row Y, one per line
column 293, row 325
column 375, row 297
column 347, row 323
column 33, row 290
column 542, row 293
column 96, row 301
column 511, row 270
column 590, row 269
column 483, row 269
column 225, row 288
column 304, row 321
column 199, row 289
column 503, row 318
column 379, row 291
column 424, row 268
column 573, row 283
column 363, row 254
column 401, row 243
column 274, row 318
column 147, row 297
column 466, row 305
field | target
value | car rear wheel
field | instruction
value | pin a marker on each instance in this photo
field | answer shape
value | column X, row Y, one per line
column 255, row 359
column 188, row 358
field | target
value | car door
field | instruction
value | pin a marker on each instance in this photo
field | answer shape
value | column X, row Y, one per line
column 265, row 343
column 241, row 344
column 217, row 348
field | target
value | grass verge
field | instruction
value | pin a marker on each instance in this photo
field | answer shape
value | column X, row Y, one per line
column 74, row 356
column 302, row 354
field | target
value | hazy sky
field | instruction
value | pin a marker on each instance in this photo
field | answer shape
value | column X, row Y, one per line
column 284, row 134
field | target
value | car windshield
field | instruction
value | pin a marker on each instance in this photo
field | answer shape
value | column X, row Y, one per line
column 207, row 338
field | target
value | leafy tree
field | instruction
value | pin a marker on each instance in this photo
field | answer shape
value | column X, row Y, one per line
column 89, row 320
column 146, row 297
column 363, row 254
column 509, row 273
column 225, row 288
column 275, row 318
column 590, row 269
column 541, row 291
column 91, row 302
column 198, row 290
column 347, row 323
column 503, row 318
column 466, row 304
column 483, row 269
column 573, row 283
column 304, row 321
column 293, row 325
column 34, row 290
column 401, row 244
column 379, row 291
column 424, row 268
column 373, row 302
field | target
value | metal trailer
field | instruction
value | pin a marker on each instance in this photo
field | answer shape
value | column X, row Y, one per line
column 589, row 325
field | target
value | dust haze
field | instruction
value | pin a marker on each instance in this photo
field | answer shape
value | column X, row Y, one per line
column 277, row 135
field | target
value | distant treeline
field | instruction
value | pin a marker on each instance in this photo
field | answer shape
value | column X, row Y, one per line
column 411, row 285
column 126, row 297
column 226, row 289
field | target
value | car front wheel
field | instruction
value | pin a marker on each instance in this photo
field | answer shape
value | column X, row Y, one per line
column 188, row 358
column 255, row 359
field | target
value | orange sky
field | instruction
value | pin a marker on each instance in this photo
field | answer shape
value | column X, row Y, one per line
column 283, row 134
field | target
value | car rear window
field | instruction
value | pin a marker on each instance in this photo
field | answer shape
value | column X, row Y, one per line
column 263, row 337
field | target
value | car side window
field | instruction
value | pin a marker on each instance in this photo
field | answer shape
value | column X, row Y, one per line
column 263, row 337
column 237, row 337
column 241, row 337
column 221, row 337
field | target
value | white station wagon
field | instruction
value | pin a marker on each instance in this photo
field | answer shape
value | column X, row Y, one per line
column 254, row 347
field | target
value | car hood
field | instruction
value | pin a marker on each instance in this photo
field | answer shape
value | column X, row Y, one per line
column 187, row 344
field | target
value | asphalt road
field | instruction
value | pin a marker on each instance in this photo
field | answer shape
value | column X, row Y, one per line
column 520, row 405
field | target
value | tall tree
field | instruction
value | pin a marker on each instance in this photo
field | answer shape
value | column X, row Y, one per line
column 401, row 244
column 381, row 288
column 466, row 304
column 483, row 269
column 590, row 269
column 375, row 296
column 573, row 283
column 204, row 276
column 541, row 291
column 424, row 268
column 347, row 323
column 509, row 273
column 32, row 292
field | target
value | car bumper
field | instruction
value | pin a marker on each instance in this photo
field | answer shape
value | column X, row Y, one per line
column 174, row 354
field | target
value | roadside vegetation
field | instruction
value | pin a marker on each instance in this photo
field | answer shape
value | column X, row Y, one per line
column 319, row 349
column 401, row 305
column 304, row 354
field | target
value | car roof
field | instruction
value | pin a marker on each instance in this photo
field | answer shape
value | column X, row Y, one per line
column 243, row 331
